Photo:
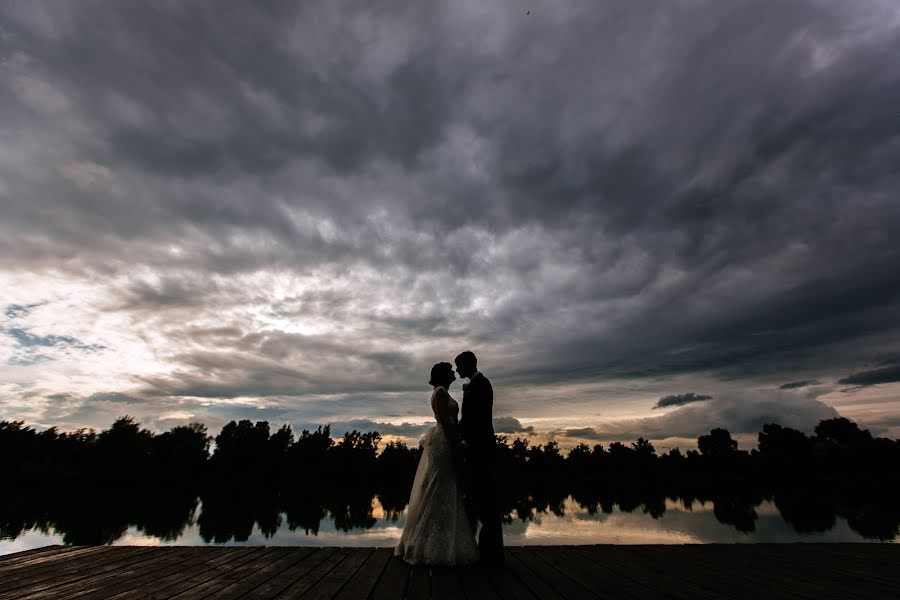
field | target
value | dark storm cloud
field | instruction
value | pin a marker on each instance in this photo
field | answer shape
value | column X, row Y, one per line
column 681, row 399
column 798, row 384
column 622, row 190
column 166, row 292
column 889, row 374
column 888, row 358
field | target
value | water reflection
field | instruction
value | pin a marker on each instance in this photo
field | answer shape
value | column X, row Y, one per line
column 261, row 518
column 260, row 486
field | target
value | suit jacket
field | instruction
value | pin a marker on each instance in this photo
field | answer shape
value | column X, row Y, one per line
column 476, row 421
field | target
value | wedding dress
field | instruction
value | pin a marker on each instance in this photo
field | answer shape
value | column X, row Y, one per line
column 437, row 530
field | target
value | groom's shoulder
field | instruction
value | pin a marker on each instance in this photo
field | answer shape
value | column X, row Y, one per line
column 482, row 380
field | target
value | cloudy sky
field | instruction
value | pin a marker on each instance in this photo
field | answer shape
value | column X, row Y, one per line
column 646, row 217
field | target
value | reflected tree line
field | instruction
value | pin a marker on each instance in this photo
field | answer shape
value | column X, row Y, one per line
column 91, row 487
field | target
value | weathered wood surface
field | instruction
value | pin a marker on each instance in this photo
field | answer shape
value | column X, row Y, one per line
column 748, row 571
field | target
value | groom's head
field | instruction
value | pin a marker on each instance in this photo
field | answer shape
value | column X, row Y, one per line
column 466, row 364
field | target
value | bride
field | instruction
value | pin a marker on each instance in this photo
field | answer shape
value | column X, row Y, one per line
column 437, row 530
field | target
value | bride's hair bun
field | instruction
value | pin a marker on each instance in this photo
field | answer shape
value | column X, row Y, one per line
column 441, row 373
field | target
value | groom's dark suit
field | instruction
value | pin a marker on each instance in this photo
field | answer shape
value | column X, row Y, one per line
column 477, row 429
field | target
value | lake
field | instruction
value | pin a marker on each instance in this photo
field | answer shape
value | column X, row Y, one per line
column 569, row 522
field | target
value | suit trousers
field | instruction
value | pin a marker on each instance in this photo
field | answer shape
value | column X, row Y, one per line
column 484, row 506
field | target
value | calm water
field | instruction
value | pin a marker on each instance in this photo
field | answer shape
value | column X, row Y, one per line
column 570, row 524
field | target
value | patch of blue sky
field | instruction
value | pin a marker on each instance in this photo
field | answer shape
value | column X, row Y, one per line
column 29, row 340
column 24, row 361
column 14, row 311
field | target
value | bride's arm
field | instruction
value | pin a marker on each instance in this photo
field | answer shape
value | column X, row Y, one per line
column 439, row 405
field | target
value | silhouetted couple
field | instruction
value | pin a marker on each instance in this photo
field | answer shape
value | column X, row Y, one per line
column 454, row 486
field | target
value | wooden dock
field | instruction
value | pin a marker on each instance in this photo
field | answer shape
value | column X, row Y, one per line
column 713, row 571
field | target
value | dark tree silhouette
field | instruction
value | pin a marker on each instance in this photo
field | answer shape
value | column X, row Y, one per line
column 396, row 470
column 91, row 487
column 842, row 431
column 717, row 444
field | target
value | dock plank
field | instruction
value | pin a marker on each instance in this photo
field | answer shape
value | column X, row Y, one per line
column 476, row 583
column 866, row 566
column 603, row 578
column 101, row 576
column 740, row 571
column 445, row 583
column 201, row 574
column 419, row 587
column 393, row 580
column 524, row 574
column 32, row 584
column 310, row 579
column 716, row 574
column 363, row 582
column 153, row 573
column 507, row 585
column 636, row 577
column 230, row 574
column 22, row 555
column 822, row 574
column 276, row 584
column 544, row 566
column 177, row 577
column 766, row 570
column 334, row 580
column 53, row 560
column 271, row 568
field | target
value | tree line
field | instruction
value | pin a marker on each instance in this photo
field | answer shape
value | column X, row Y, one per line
column 252, row 454
column 100, row 482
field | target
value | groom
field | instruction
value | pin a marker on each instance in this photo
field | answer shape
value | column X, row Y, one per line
column 477, row 432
